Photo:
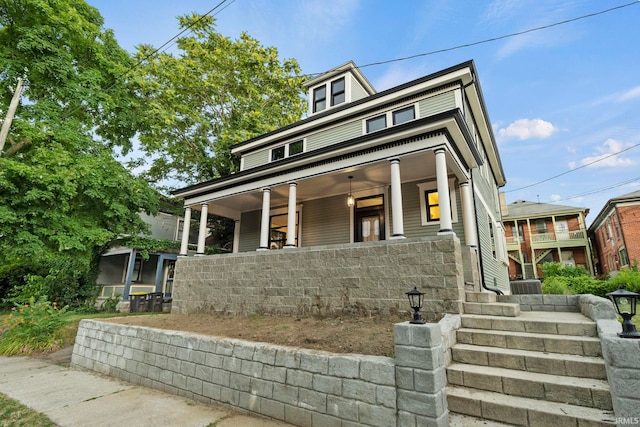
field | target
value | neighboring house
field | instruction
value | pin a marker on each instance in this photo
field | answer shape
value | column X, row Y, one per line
column 414, row 161
column 124, row 271
column 615, row 234
column 539, row 232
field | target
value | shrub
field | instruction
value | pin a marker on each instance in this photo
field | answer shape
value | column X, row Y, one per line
column 33, row 327
column 554, row 269
column 111, row 303
column 556, row 285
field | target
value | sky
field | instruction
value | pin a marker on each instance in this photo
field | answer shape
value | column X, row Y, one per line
column 562, row 100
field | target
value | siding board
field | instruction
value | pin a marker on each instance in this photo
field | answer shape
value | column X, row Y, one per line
column 325, row 221
column 334, row 135
column 436, row 104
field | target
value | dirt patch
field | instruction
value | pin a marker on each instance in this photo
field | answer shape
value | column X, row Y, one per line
column 362, row 335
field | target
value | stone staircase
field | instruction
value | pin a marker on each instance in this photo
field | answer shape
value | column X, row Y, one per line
column 529, row 368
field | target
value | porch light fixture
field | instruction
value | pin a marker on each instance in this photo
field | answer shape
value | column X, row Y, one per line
column 625, row 303
column 350, row 199
column 416, row 299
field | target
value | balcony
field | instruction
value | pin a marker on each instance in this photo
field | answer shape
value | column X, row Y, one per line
column 513, row 242
column 562, row 238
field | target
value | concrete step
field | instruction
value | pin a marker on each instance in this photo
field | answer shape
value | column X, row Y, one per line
column 589, row 392
column 523, row 411
column 492, row 309
column 558, row 323
column 483, row 297
column 531, row 361
column 563, row 344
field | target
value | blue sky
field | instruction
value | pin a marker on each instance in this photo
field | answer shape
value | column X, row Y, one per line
column 560, row 99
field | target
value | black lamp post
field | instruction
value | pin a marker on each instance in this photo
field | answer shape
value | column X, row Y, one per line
column 416, row 299
column 625, row 303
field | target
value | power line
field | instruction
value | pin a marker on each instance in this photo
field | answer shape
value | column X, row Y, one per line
column 600, row 190
column 575, row 169
column 493, row 39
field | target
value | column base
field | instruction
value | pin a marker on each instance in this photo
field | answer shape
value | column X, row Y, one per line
column 446, row 231
column 200, row 254
column 290, row 247
column 262, row 248
column 397, row 236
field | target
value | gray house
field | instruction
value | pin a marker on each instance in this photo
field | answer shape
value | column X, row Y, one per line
column 370, row 195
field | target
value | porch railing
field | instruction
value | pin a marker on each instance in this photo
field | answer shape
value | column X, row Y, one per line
column 559, row 235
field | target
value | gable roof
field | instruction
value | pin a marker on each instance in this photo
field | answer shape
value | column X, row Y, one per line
column 526, row 209
column 634, row 196
column 342, row 69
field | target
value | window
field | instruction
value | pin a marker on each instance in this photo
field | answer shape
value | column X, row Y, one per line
column 396, row 117
column 541, row 226
column 277, row 153
column 287, row 150
column 430, row 202
column 624, row 258
column 319, row 99
column 433, row 205
column 296, row 148
column 376, row 123
column 278, row 230
column 403, row 115
column 337, row 92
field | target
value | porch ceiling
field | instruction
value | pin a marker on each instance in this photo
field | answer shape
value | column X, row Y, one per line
column 414, row 167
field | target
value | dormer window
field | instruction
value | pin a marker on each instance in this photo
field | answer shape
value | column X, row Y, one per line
column 337, row 92
column 319, row 99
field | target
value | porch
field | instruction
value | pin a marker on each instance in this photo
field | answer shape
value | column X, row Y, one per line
column 363, row 278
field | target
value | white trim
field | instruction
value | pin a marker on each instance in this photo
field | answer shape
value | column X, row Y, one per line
column 327, row 92
column 432, row 185
column 375, row 191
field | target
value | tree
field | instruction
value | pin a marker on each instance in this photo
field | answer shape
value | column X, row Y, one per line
column 63, row 196
column 216, row 93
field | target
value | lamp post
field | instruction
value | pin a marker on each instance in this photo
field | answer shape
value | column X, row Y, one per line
column 416, row 299
column 625, row 303
column 350, row 199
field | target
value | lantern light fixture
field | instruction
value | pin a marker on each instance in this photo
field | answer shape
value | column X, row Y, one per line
column 350, row 199
column 625, row 303
column 416, row 300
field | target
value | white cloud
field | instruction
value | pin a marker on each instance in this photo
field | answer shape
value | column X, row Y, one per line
column 630, row 94
column 528, row 129
column 396, row 76
column 555, row 197
column 319, row 21
column 607, row 157
column 572, row 165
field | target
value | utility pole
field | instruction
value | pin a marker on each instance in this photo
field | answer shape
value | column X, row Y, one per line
column 4, row 132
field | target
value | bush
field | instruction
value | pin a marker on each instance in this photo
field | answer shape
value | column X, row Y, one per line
column 555, row 269
column 556, row 285
column 111, row 303
column 33, row 327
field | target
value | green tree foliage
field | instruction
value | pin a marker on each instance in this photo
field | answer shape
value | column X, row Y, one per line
column 215, row 93
column 63, row 196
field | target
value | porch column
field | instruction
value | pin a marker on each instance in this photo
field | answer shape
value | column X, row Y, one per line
column 236, row 236
column 264, row 226
column 444, row 201
column 468, row 217
column 291, row 217
column 396, row 200
column 184, row 244
column 202, row 234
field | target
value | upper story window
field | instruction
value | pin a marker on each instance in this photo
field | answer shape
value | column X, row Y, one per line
column 287, row 150
column 395, row 117
column 337, row 92
column 319, row 99
column 403, row 115
column 376, row 123
column 329, row 94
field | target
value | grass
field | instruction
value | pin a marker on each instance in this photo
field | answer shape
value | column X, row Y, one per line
column 15, row 414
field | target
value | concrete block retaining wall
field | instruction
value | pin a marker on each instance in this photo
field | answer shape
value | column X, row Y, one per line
column 539, row 302
column 301, row 387
column 365, row 277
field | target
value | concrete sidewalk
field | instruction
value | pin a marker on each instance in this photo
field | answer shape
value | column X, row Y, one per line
column 73, row 398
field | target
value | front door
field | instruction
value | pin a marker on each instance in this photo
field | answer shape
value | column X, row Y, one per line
column 369, row 219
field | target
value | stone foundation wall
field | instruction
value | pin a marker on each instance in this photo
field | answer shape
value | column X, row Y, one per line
column 366, row 278
column 302, row 387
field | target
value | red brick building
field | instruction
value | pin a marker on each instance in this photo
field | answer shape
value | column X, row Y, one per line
column 615, row 234
column 539, row 232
